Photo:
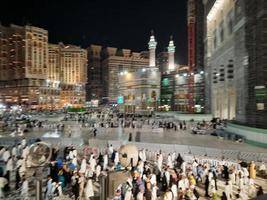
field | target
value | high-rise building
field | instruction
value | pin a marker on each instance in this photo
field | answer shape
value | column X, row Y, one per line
column 39, row 74
column 235, row 61
column 54, row 69
column 152, row 44
column 73, row 64
column 23, row 64
column 163, row 61
column 116, row 62
column 140, row 86
column 175, row 90
column 171, row 52
column 94, row 87
column 195, row 25
column 66, row 74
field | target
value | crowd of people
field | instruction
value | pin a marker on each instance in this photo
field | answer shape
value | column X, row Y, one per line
column 157, row 175
column 182, row 179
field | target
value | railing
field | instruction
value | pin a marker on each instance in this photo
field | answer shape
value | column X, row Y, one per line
column 187, row 150
column 10, row 141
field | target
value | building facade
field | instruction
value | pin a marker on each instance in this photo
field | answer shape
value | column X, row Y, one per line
column 175, row 91
column 195, row 27
column 140, row 86
column 35, row 73
column 94, row 86
column 163, row 61
column 23, row 64
column 140, row 89
column 235, row 62
column 116, row 62
column 73, row 64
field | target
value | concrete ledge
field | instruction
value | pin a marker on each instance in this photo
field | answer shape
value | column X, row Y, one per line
column 186, row 117
column 259, row 144
column 254, row 136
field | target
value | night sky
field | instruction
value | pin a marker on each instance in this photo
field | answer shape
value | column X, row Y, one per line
column 117, row 23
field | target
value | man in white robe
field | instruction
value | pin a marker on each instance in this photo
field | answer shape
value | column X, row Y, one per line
column 71, row 155
column 245, row 175
column 49, row 188
column 59, row 187
column 3, row 182
column 75, row 153
column 154, row 192
column 105, row 163
column 81, row 185
column 6, row 155
column 23, row 142
column 173, row 157
column 141, row 155
column 116, row 159
column 93, row 163
column 168, row 177
column 74, row 162
column 168, row 195
column 183, row 183
column 89, row 191
column 144, row 155
column 25, row 189
column 160, row 160
column 128, row 193
column 83, row 166
column 110, row 150
column 184, row 164
column 228, row 190
column 14, row 151
column 25, row 152
column 174, row 190
column 97, row 171
column 169, row 161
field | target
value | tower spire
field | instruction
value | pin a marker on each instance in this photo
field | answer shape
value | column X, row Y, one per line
column 171, row 51
column 152, row 44
column 171, row 47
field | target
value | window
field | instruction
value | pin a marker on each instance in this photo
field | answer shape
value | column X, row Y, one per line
column 260, row 106
column 230, row 26
column 222, row 31
column 215, row 39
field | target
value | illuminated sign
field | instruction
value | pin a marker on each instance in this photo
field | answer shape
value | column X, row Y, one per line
column 120, row 100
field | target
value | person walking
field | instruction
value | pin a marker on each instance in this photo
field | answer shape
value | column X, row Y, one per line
column 89, row 191
column 207, row 183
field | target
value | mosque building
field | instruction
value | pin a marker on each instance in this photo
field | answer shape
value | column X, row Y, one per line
column 155, row 87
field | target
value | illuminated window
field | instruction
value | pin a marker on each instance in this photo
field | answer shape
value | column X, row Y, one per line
column 260, row 106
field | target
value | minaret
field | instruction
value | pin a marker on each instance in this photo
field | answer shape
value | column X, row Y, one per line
column 171, row 51
column 152, row 50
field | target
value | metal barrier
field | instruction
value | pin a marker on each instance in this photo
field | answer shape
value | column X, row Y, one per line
column 165, row 148
column 10, row 141
column 193, row 151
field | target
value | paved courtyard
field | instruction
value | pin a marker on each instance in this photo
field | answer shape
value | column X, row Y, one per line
column 147, row 135
column 181, row 137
